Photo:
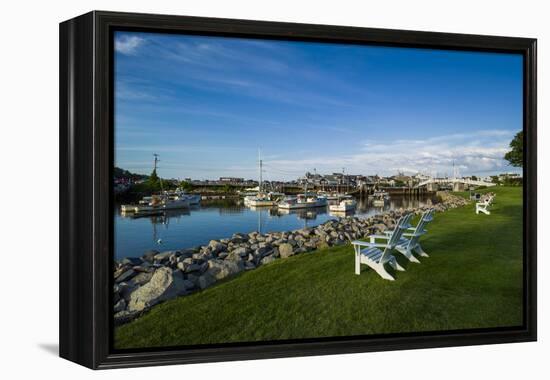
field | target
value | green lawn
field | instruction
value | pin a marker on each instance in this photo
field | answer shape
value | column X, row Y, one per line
column 472, row 279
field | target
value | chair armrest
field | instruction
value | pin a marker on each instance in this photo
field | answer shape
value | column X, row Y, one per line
column 379, row 236
column 367, row 244
column 414, row 234
column 360, row 243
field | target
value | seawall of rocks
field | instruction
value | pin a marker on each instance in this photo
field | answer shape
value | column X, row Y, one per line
column 142, row 282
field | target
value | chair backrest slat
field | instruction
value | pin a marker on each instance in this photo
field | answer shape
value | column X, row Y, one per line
column 400, row 227
column 427, row 216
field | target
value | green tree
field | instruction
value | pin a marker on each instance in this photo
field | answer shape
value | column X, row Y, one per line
column 186, row 186
column 154, row 182
column 515, row 156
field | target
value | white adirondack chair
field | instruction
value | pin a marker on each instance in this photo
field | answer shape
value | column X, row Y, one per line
column 410, row 241
column 371, row 253
column 484, row 205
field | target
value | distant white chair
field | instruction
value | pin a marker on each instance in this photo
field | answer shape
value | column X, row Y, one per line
column 376, row 255
column 484, row 204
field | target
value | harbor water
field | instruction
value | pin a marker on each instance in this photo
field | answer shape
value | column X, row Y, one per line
column 179, row 229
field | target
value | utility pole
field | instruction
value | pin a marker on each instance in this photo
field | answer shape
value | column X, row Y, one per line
column 155, row 170
column 344, row 178
column 156, row 161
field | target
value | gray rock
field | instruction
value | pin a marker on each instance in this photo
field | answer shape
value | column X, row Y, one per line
column 261, row 251
column 286, row 250
column 120, row 305
column 164, row 256
column 131, row 261
column 220, row 269
column 125, row 290
column 125, row 316
column 194, row 278
column 206, row 280
column 238, row 238
column 234, row 256
column 188, row 284
column 164, row 284
column 182, row 266
column 126, row 275
column 193, row 268
column 215, row 246
column 185, row 253
column 150, row 255
column 380, row 227
column 141, row 279
column 267, row 260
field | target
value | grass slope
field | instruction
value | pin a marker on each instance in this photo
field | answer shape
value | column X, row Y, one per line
column 472, row 279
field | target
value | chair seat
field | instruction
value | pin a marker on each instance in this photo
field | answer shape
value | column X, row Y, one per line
column 372, row 253
column 403, row 242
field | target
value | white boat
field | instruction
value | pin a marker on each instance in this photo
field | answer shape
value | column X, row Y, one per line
column 379, row 198
column 380, row 194
column 194, row 199
column 165, row 201
column 335, row 198
column 263, row 199
column 303, row 201
column 343, row 206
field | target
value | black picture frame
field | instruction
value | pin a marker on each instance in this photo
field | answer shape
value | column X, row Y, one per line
column 86, row 160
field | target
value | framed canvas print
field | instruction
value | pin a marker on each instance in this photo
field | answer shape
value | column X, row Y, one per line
column 237, row 189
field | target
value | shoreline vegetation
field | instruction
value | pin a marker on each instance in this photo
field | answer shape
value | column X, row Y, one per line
column 472, row 279
column 143, row 282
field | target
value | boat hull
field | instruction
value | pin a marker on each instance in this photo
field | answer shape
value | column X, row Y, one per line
column 259, row 203
column 295, row 206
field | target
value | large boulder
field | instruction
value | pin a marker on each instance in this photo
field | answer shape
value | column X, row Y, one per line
column 164, row 284
column 286, row 250
column 267, row 260
column 141, row 279
column 131, row 261
column 234, row 256
column 241, row 251
column 150, row 255
column 220, row 269
column 125, row 276
column 164, row 256
column 206, row 280
column 120, row 305
column 215, row 246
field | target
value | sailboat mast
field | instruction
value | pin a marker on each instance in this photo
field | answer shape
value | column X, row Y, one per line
column 260, row 169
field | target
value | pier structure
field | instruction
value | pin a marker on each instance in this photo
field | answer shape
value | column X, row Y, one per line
column 458, row 184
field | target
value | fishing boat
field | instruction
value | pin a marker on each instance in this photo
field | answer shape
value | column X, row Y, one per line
column 263, row 199
column 194, row 199
column 335, row 198
column 165, row 202
column 303, row 201
column 379, row 198
column 156, row 203
column 344, row 206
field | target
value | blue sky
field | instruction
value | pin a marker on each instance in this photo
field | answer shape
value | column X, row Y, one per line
column 207, row 104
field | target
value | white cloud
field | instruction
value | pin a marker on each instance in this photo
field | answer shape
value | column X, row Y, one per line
column 479, row 153
column 128, row 45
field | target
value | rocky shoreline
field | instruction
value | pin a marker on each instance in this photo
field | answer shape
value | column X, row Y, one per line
column 142, row 282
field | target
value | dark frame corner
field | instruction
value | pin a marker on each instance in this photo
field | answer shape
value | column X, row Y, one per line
column 86, row 139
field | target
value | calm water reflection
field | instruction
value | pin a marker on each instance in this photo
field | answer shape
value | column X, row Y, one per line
column 217, row 220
